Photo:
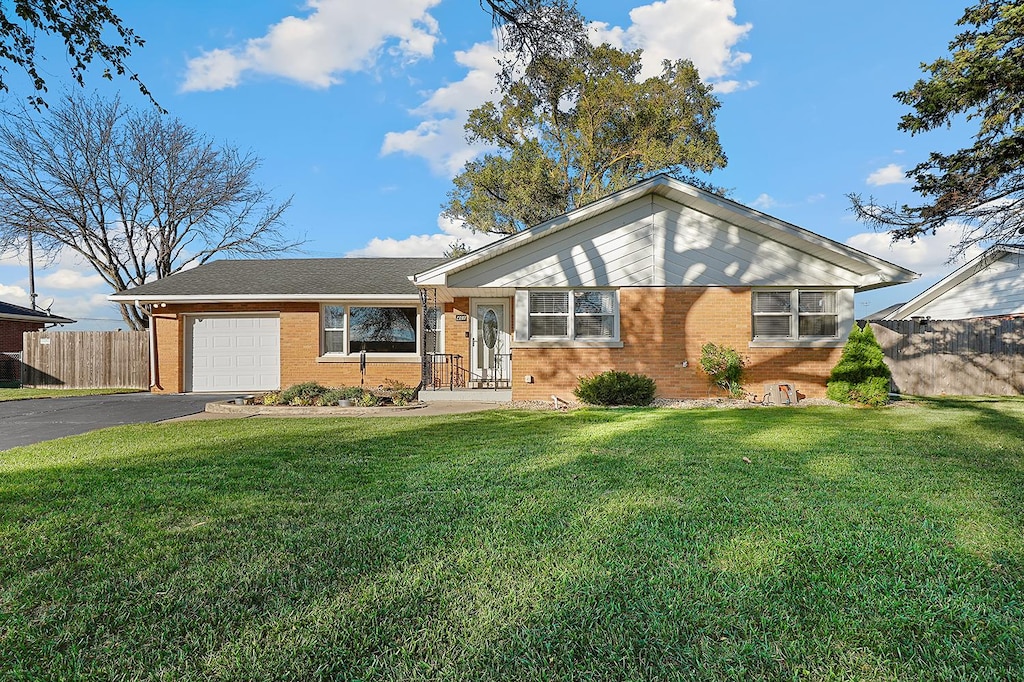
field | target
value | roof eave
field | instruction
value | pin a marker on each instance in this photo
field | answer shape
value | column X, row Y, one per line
column 41, row 319
column 128, row 297
column 952, row 280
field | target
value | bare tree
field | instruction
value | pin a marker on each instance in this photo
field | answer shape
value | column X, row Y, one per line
column 136, row 194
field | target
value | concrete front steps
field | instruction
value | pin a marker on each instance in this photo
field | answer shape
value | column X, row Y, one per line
column 474, row 395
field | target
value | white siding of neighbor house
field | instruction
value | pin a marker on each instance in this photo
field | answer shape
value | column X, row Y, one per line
column 995, row 290
column 653, row 241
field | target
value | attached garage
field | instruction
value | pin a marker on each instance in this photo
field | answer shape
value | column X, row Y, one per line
column 232, row 353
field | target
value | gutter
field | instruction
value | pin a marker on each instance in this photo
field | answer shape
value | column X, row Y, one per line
column 152, row 343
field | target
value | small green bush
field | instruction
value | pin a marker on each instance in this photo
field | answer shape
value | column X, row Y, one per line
column 370, row 400
column 270, row 398
column 331, row 397
column 352, row 392
column 616, row 388
column 724, row 367
column 873, row 391
column 399, row 393
column 303, row 394
column 861, row 375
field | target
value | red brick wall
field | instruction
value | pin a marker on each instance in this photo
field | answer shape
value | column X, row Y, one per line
column 456, row 334
column 11, row 334
column 660, row 330
column 300, row 348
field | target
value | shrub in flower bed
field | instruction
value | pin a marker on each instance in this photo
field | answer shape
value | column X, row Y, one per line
column 313, row 394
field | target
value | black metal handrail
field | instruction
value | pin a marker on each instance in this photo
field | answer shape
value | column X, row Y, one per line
column 500, row 376
column 446, row 371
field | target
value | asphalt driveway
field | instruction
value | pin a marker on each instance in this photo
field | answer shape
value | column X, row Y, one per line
column 23, row 422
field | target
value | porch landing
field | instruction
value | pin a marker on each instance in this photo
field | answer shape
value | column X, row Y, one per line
column 476, row 395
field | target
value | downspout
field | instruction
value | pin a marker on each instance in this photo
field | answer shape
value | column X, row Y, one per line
column 152, row 343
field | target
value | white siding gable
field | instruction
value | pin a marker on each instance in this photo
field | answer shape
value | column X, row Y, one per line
column 994, row 290
column 654, row 241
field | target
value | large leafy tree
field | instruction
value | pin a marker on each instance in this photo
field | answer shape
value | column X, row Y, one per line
column 88, row 29
column 135, row 194
column 531, row 29
column 573, row 130
column 980, row 186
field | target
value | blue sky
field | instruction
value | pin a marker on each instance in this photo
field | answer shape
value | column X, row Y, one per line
column 356, row 109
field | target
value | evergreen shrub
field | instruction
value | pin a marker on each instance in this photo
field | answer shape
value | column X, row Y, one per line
column 616, row 388
column 861, row 375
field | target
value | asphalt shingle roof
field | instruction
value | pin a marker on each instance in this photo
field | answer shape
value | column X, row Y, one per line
column 9, row 310
column 292, row 276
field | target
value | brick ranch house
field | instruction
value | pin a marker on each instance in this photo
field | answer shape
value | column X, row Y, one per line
column 637, row 281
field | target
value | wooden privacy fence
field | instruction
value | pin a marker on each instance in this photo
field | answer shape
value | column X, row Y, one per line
column 86, row 359
column 981, row 356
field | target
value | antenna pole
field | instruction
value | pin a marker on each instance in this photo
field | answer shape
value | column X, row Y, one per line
column 31, row 272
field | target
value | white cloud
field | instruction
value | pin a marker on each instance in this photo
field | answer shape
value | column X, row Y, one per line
column 68, row 279
column 70, row 287
column 703, row 31
column 14, row 294
column 700, row 30
column 888, row 175
column 91, row 311
column 13, row 257
column 763, row 202
column 926, row 255
column 336, row 36
column 426, row 245
column 440, row 138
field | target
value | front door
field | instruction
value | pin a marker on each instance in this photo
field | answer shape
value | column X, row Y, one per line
column 490, row 350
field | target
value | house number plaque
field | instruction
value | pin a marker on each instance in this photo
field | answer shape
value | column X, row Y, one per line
column 461, row 318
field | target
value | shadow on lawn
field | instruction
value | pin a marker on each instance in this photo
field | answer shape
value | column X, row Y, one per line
column 510, row 544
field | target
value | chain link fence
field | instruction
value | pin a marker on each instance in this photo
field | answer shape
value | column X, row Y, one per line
column 10, row 370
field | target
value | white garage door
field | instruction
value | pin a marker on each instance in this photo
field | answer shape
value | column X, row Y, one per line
column 234, row 353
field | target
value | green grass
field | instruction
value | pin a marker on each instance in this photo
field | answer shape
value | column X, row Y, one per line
column 590, row 545
column 28, row 393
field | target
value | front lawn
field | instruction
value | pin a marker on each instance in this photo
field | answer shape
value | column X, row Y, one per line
column 590, row 545
column 28, row 393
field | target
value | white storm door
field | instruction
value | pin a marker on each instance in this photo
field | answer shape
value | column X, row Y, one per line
column 491, row 341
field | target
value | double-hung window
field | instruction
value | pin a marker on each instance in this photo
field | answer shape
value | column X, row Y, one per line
column 352, row 329
column 795, row 315
column 333, row 318
column 576, row 315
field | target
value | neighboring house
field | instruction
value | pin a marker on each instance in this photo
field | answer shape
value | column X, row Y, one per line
column 991, row 285
column 883, row 313
column 637, row 281
column 15, row 320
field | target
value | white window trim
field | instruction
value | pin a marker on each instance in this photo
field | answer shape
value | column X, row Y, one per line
column 522, row 337
column 844, row 320
column 345, row 356
column 441, row 317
